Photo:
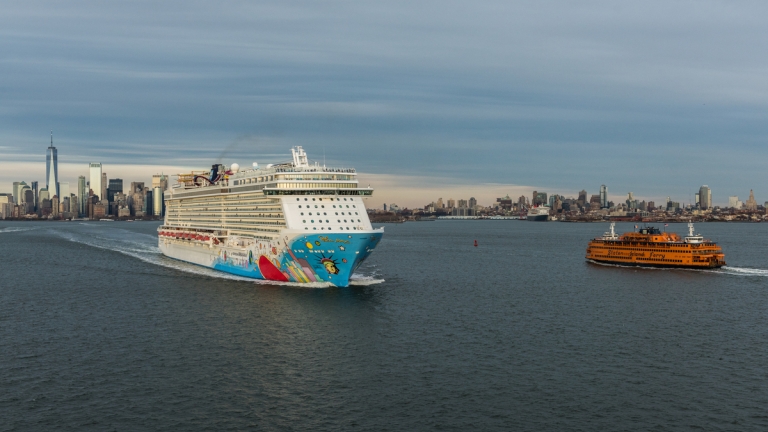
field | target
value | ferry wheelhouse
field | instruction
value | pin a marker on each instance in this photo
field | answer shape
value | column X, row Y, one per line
column 649, row 247
column 288, row 222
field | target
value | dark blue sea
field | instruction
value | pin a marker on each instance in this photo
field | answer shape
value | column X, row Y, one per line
column 99, row 332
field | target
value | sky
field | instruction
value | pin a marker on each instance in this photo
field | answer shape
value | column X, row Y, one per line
column 425, row 99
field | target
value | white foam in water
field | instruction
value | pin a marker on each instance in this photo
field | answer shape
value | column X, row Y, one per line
column 15, row 229
column 147, row 251
column 733, row 271
column 745, row 271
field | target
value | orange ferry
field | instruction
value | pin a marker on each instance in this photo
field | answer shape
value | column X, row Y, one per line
column 649, row 247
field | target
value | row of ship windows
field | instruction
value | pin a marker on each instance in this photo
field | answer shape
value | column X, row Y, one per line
column 657, row 250
column 327, row 199
column 323, row 206
column 326, row 221
column 330, row 229
column 325, row 214
column 217, row 223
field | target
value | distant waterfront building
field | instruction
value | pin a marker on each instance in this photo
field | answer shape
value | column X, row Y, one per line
column 55, row 206
column 52, row 169
column 733, row 201
column 6, row 206
column 451, row 203
column 472, row 202
column 603, row 196
column 103, row 194
column 17, row 187
column 64, row 191
column 159, row 204
column 705, row 197
column 751, row 203
column 94, row 171
column 82, row 192
column 161, row 181
column 35, row 191
column 115, row 187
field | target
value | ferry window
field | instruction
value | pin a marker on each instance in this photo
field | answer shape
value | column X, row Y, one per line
column 297, row 199
column 325, row 214
column 304, row 221
column 305, row 199
column 302, row 213
column 334, row 206
column 355, row 212
column 314, row 228
column 322, row 205
column 315, row 205
column 339, row 221
column 326, row 221
column 353, row 206
column 345, row 220
column 313, row 200
column 306, row 228
column 345, row 199
column 313, row 221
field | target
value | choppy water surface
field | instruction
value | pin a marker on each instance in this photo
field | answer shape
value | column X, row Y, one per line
column 98, row 331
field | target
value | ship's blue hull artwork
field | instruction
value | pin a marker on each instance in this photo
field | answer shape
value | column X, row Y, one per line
column 328, row 258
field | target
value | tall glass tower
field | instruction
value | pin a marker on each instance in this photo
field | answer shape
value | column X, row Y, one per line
column 52, row 169
column 95, row 174
column 603, row 197
column 83, row 192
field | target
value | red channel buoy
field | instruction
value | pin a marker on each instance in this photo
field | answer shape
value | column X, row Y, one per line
column 475, row 243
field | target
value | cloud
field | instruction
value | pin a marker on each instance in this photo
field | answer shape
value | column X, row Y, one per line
column 653, row 97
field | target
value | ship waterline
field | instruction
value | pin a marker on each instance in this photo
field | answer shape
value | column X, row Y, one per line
column 290, row 222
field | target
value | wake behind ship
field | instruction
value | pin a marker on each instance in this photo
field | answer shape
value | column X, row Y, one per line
column 289, row 222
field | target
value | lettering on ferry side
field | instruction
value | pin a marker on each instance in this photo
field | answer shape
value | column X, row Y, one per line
column 657, row 255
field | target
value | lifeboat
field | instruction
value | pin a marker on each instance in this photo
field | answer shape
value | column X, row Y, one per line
column 649, row 247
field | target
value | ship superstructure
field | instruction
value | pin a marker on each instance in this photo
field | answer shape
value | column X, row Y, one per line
column 291, row 221
column 649, row 247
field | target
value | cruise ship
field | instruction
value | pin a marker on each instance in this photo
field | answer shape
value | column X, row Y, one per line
column 286, row 222
column 540, row 213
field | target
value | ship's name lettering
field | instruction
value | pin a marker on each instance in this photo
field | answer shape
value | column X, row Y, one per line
column 657, row 255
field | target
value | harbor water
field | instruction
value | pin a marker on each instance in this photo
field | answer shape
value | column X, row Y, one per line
column 99, row 331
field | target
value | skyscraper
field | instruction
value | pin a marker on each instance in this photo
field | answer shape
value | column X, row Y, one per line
column 95, row 178
column 159, row 204
column 160, row 180
column 17, row 186
column 705, row 197
column 603, row 196
column 115, row 187
column 64, row 191
column 52, row 169
column 34, row 189
column 103, row 194
column 82, row 193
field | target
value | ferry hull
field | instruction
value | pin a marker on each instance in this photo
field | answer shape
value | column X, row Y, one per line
column 301, row 258
column 653, row 265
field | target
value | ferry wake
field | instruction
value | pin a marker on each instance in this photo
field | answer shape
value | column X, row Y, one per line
column 649, row 247
column 287, row 222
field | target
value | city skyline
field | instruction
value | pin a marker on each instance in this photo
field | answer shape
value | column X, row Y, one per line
column 525, row 95
column 385, row 194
